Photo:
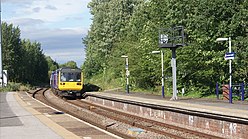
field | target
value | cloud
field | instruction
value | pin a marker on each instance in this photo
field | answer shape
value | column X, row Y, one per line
column 44, row 34
column 61, row 9
column 61, row 44
column 67, row 53
column 59, row 25
column 36, row 9
column 18, row 4
column 16, row 1
column 50, row 7
column 27, row 22
column 70, row 54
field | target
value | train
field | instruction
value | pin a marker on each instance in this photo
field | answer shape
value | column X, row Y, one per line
column 67, row 82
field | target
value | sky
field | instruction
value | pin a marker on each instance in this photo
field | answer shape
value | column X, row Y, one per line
column 59, row 25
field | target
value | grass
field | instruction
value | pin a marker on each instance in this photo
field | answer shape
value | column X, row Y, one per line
column 12, row 86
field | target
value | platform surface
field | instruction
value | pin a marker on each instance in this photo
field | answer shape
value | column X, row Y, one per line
column 223, row 107
column 23, row 117
column 17, row 123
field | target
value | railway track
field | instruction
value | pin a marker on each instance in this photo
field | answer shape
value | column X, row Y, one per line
column 60, row 104
column 132, row 126
column 143, row 123
column 39, row 94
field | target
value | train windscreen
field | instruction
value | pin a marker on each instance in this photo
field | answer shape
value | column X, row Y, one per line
column 70, row 77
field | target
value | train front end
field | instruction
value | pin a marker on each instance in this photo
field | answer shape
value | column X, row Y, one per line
column 70, row 81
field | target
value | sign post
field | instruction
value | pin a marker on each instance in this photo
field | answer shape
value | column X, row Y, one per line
column 127, row 73
column 229, row 56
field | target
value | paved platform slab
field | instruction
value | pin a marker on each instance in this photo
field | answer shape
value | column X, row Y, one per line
column 16, row 122
column 7, row 116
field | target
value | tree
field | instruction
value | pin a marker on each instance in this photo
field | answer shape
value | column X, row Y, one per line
column 52, row 65
column 110, row 19
column 35, row 64
column 11, row 50
column 23, row 59
column 70, row 64
column 133, row 31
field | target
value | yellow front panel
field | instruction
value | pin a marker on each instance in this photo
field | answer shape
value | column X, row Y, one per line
column 71, row 86
column 74, row 86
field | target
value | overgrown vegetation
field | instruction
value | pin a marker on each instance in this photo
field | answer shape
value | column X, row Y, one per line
column 130, row 27
column 23, row 59
column 12, row 86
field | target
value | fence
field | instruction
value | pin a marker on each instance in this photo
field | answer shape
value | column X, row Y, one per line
column 239, row 90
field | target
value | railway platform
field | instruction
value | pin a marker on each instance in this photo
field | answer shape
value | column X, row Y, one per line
column 211, row 116
column 23, row 117
column 223, row 107
column 19, row 121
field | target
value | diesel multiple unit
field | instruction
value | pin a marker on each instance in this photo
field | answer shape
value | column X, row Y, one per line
column 67, row 82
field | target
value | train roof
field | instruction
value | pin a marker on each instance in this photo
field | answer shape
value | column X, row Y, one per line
column 68, row 69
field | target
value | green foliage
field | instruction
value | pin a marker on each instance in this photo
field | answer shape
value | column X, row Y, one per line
column 11, row 50
column 131, row 27
column 12, row 86
column 52, row 64
column 70, row 64
column 34, row 62
column 24, row 60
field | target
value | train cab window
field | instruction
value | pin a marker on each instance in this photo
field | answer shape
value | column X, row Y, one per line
column 63, row 77
column 75, row 77
column 70, row 77
column 78, row 77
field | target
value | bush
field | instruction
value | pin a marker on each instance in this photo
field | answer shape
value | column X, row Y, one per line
column 12, row 86
column 24, row 87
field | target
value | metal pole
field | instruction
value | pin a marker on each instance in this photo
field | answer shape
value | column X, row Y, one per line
column 242, row 91
column 230, row 72
column 217, row 90
column 162, row 63
column 1, row 63
column 127, row 74
column 104, row 77
column 174, row 76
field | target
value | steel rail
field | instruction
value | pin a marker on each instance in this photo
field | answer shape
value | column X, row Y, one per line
column 136, row 120
column 76, row 114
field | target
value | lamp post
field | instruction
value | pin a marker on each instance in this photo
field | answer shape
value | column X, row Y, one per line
column 1, row 57
column 230, row 66
column 127, row 73
column 162, row 66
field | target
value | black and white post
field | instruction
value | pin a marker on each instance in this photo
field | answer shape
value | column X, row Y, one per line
column 127, row 73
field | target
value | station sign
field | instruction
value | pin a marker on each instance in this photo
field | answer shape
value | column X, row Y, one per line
column 229, row 56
